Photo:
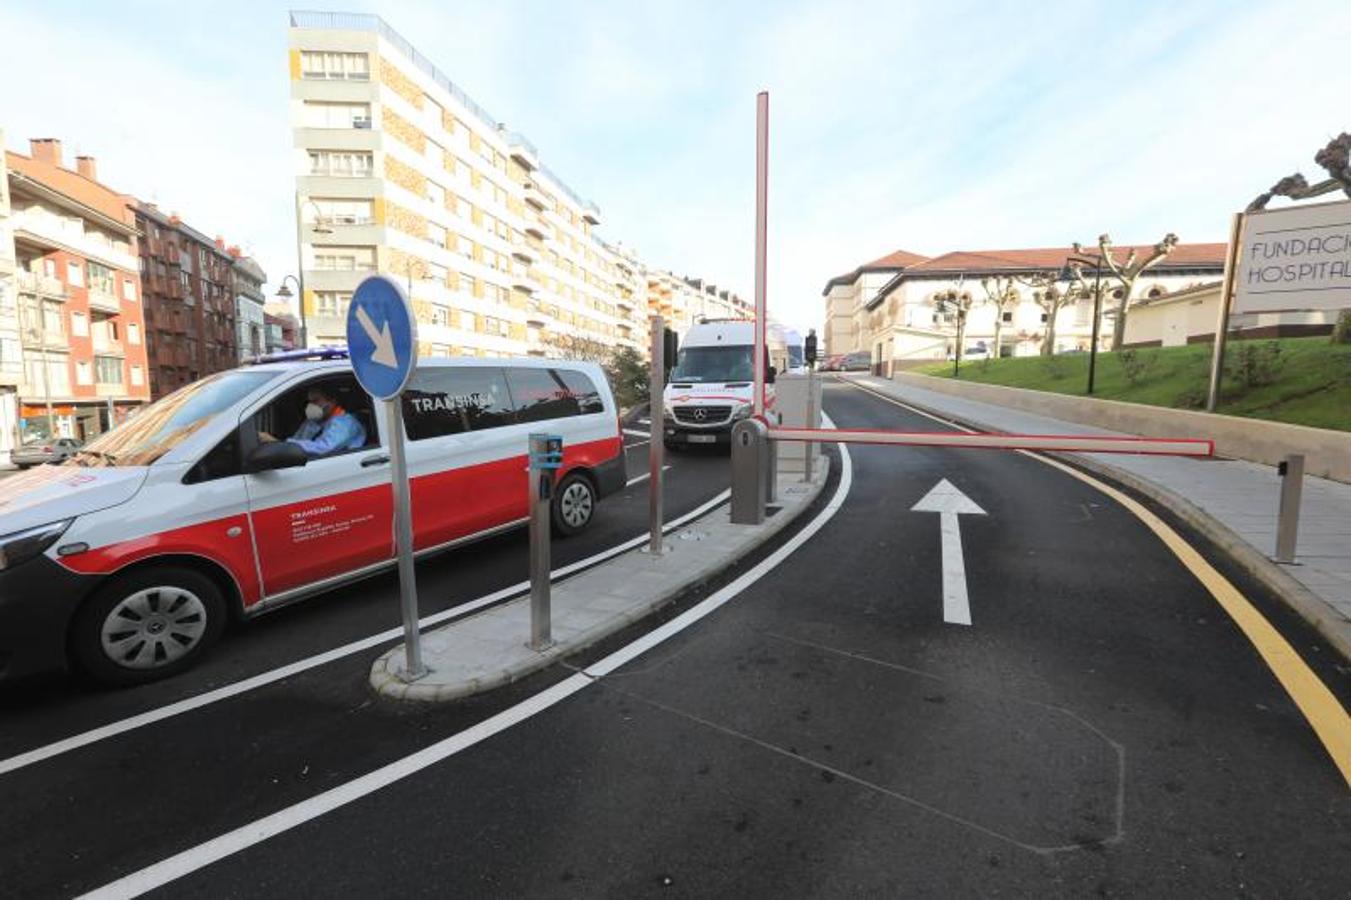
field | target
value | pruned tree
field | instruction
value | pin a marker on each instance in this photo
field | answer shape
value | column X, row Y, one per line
column 1001, row 293
column 1051, row 297
column 575, row 346
column 1335, row 158
column 1125, row 273
column 958, row 303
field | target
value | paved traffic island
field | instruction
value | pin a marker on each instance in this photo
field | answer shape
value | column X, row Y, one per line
column 488, row 650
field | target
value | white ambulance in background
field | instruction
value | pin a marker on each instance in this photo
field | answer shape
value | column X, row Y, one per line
column 712, row 385
column 786, row 352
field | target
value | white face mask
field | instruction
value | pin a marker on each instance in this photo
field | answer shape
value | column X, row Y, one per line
column 314, row 412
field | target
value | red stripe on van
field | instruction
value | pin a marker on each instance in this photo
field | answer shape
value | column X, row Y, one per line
column 206, row 539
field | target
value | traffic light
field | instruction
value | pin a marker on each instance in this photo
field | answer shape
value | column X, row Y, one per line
column 809, row 347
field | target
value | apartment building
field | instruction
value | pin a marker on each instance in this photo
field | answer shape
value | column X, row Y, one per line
column 891, row 307
column 81, row 329
column 400, row 172
column 189, row 300
column 248, row 279
column 683, row 300
column 11, row 346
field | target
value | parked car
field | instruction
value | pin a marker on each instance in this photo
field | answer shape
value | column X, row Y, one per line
column 226, row 497
column 35, row 453
column 858, row 361
column 974, row 352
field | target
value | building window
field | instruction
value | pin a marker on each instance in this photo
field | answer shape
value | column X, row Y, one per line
column 344, row 259
column 436, row 194
column 79, row 325
column 83, row 373
column 109, row 369
column 440, row 315
column 341, row 66
column 129, row 286
column 101, row 279
column 331, row 303
column 54, row 377
column 339, row 211
column 336, row 115
column 436, row 234
column 137, row 376
column 74, row 273
column 341, row 163
column 133, row 333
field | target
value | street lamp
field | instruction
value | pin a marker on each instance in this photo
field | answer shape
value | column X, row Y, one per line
column 960, row 301
column 285, row 293
column 319, row 227
column 1069, row 274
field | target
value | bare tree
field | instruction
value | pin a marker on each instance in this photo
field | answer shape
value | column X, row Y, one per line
column 958, row 302
column 1000, row 292
column 1125, row 273
column 575, row 346
column 1047, row 294
column 1335, row 158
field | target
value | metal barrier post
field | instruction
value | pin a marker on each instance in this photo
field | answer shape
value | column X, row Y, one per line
column 656, row 446
column 545, row 456
column 809, row 447
column 750, row 438
column 403, row 533
column 1287, row 522
column 771, row 469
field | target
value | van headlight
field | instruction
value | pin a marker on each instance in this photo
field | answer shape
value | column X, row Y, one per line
column 24, row 545
column 741, row 412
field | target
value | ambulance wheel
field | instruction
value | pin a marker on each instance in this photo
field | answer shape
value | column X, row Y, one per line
column 574, row 504
column 146, row 625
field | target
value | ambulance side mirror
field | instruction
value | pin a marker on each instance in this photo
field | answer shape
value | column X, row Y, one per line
column 276, row 455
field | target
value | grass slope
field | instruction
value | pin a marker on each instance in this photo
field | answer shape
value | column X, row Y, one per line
column 1312, row 384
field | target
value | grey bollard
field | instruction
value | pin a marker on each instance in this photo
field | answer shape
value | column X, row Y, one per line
column 1287, row 520
column 750, row 459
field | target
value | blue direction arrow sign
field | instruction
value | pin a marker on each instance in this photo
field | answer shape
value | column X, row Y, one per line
column 381, row 337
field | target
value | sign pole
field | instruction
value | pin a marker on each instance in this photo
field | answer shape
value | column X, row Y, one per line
column 761, row 232
column 545, row 456
column 1226, row 299
column 403, row 536
column 382, row 345
column 656, row 447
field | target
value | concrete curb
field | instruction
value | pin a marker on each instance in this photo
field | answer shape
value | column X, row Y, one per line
column 385, row 681
column 1302, row 601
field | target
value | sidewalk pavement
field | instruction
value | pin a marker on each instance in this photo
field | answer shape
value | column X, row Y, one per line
column 1232, row 502
column 487, row 650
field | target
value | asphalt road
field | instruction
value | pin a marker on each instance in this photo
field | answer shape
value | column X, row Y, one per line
column 1101, row 728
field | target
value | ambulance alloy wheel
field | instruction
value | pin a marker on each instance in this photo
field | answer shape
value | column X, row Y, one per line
column 574, row 504
column 146, row 625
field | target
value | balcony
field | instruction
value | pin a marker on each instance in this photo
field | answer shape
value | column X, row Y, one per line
column 591, row 213
column 45, row 286
column 524, row 282
column 525, row 253
column 102, row 301
column 522, row 151
column 33, row 338
column 535, row 229
column 535, row 197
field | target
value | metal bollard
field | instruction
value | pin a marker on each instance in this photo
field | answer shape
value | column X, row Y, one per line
column 749, row 459
column 656, row 445
column 1287, row 520
column 809, row 447
column 546, row 455
column 771, row 470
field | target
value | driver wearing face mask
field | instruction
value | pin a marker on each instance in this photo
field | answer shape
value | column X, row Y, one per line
column 328, row 428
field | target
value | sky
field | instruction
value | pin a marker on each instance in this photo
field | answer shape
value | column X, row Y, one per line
column 929, row 127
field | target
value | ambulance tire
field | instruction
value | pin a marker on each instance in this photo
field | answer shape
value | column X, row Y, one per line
column 573, row 505
column 148, row 624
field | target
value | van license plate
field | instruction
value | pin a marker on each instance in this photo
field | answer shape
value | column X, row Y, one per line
column 703, row 439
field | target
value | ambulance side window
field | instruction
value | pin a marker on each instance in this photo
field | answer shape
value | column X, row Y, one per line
column 222, row 461
column 445, row 400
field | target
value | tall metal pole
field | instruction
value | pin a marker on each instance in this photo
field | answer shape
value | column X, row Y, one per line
column 46, row 358
column 761, row 237
column 403, row 537
column 1097, row 322
column 541, row 482
column 300, row 278
column 1222, row 325
column 656, row 445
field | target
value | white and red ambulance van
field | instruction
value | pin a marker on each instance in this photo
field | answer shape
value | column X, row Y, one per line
column 127, row 558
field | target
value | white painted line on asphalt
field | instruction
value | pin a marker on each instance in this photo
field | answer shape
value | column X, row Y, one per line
column 949, row 502
column 644, row 477
column 225, row 692
column 194, row 858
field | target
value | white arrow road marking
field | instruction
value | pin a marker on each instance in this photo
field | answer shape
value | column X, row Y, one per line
column 384, row 343
column 950, row 503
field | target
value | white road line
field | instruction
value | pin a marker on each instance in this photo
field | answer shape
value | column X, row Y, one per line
column 194, row 858
column 636, row 433
column 225, row 692
column 644, row 477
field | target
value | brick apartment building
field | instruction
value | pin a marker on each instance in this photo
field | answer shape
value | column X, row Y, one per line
column 190, row 307
column 81, row 333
